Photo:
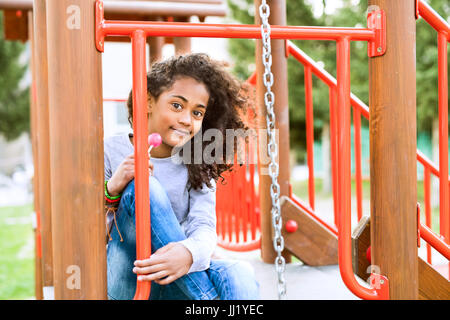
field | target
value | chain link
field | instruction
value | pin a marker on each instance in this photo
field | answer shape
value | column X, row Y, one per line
column 269, row 99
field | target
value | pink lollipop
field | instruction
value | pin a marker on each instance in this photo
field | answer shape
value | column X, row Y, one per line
column 154, row 140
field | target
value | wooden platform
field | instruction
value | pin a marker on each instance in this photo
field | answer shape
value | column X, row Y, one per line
column 302, row 282
column 432, row 285
column 312, row 243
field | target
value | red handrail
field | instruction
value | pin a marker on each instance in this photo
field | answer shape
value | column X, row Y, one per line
column 142, row 199
column 356, row 103
column 309, row 134
column 443, row 29
column 434, row 19
column 434, row 240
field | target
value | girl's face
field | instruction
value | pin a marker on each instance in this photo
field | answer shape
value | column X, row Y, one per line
column 178, row 114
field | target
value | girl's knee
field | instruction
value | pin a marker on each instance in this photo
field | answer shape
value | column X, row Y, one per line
column 237, row 280
column 245, row 269
column 157, row 193
column 236, row 269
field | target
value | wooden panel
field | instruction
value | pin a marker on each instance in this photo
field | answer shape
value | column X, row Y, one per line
column 393, row 165
column 432, row 285
column 360, row 243
column 312, row 243
column 38, row 293
column 76, row 139
column 15, row 25
column 42, row 121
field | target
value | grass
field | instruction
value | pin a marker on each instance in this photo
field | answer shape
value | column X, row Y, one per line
column 16, row 253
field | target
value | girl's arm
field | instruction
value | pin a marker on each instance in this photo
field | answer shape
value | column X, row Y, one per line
column 193, row 254
column 200, row 227
column 123, row 175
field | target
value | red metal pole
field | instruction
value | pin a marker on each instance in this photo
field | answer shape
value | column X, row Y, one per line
column 142, row 199
column 429, row 236
column 306, row 207
column 334, row 158
column 180, row 29
column 433, row 18
column 358, row 173
column 426, row 186
column 344, row 169
column 309, row 134
column 443, row 137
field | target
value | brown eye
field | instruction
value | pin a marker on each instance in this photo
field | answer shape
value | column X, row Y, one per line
column 176, row 105
column 199, row 114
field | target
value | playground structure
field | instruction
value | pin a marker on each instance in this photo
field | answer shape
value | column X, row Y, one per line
column 69, row 199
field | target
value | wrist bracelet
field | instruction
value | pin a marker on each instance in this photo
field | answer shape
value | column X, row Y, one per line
column 112, row 201
column 108, row 196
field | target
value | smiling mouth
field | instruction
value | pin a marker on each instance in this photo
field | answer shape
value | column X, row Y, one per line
column 181, row 132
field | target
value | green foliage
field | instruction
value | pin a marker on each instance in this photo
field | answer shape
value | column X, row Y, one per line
column 351, row 14
column 14, row 100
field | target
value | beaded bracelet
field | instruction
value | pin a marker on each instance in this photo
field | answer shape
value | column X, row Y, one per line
column 112, row 201
column 108, row 197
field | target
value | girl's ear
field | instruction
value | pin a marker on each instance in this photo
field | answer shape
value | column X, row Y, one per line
column 150, row 104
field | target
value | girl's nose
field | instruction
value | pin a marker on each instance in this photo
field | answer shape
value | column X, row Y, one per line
column 185, row 118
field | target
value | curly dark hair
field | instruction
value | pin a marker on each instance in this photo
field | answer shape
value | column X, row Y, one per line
column 227, row 106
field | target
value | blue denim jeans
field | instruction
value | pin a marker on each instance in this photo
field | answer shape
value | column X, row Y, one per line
column 225, row 279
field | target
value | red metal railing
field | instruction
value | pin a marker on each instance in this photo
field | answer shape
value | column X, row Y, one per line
column 360, row 109
column 443, row 31
column 139, row 30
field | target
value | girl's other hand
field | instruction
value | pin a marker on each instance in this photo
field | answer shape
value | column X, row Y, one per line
column 123, row 175
column 166, row 265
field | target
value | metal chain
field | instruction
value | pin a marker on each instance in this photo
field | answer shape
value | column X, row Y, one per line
column 269, row 99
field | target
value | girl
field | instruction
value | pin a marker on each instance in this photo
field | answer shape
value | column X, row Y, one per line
column 186, row 95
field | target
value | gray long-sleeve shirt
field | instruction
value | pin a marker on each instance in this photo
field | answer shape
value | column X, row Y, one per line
column 195, row 209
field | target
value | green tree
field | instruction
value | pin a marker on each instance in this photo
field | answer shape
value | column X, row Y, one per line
column 352, row 13
column 243, row 54
column 14, row 100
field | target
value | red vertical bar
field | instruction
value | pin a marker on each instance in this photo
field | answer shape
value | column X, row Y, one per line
column 426, row 186
column 238, row 196
column 344, row 164
column 333, row 147
column 245, row 201
column 143, row 239
column 358, row 173
column 232, row 209
column 251, row 169
column 252, row 202
column 344, row 177
column 444, row 218
column 309, row 134
column 226, row 205
column 443, row 137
